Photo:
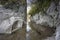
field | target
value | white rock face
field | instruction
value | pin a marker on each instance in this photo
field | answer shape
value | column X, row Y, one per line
column 8, row 17
column 43, row 20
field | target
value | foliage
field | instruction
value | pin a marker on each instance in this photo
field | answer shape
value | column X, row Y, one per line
column 11, row 1
column 12, row 4
column 40, row 5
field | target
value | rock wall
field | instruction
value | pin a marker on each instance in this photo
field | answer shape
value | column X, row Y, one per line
column 12, row 19
column 47, row 23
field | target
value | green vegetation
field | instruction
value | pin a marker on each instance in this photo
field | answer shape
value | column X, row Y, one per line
column 40, row 6
column 3, row 2
column 12, row 4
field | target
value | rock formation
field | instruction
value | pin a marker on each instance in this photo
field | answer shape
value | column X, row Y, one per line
column 12, row 19
column 45, row 18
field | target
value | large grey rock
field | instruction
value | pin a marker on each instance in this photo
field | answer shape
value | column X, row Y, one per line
column 43, row 20
column 8, row 17
column 45, row 24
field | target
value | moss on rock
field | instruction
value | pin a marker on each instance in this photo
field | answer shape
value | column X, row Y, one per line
column 40, row 6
